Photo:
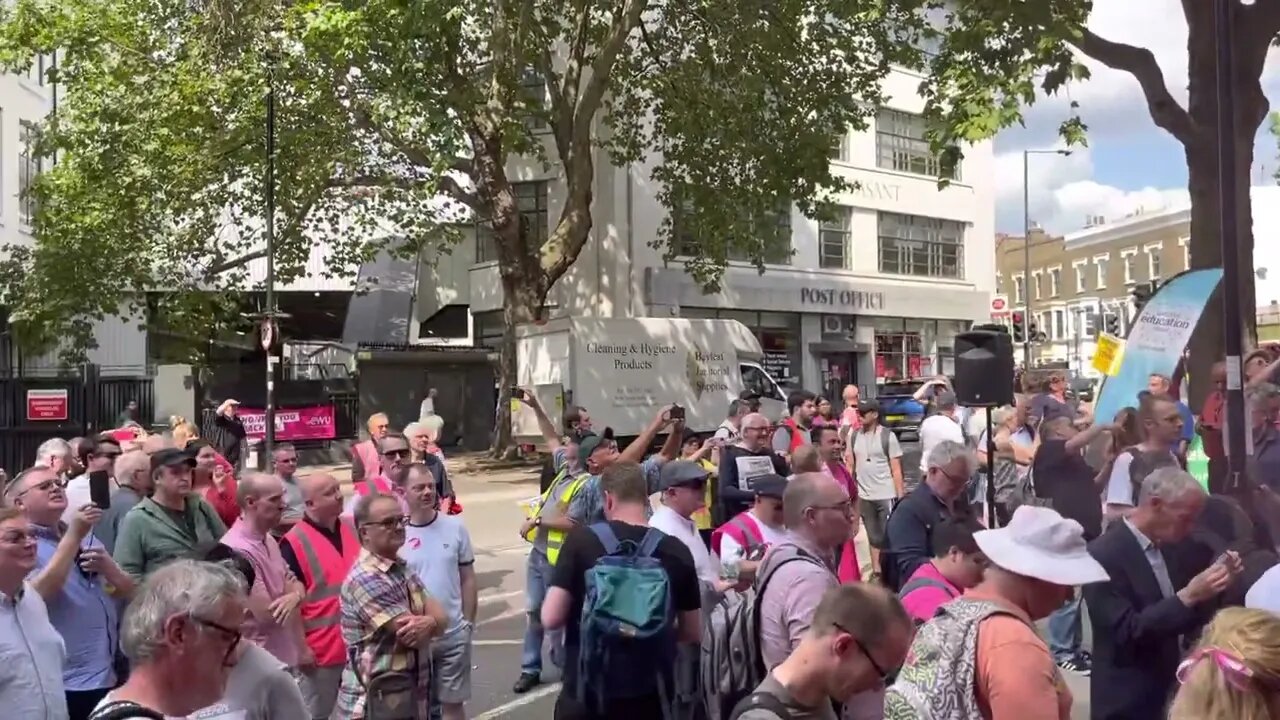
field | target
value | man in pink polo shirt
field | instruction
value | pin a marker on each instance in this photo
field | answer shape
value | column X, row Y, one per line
column 396, row 456
column 274, row 597
column 956, row 566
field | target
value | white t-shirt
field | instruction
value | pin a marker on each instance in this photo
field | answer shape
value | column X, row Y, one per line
column 78, row 495
column 872, row 468
column 683, row 529
column 435, row 552
column 1265, row 592
column 259, row 687
column 1119, row 487
column 934, row 430
column 731, row 550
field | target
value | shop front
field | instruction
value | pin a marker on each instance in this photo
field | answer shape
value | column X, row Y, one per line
column 822, row 333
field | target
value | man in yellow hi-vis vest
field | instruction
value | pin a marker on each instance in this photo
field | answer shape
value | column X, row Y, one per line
column 546, row 527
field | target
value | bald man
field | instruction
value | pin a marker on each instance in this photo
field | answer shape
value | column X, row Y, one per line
column 333, row 549
column 276, row 592
column 742, row 463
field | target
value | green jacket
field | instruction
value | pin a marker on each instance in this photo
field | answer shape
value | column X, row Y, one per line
column 151, row 535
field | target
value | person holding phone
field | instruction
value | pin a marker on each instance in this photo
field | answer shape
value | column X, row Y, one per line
column 100, row 462
column 79, row 583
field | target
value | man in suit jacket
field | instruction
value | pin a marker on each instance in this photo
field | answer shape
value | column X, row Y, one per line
column 1155, row 602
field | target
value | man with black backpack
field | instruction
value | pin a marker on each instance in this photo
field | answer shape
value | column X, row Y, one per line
column 621, row 568
column 858, row 638
column 1161, row 422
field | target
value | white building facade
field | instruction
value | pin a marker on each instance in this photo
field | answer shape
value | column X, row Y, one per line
column 877, row 294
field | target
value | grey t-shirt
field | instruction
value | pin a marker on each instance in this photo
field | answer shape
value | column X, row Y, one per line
column 795, row 710
column 875, row 478
column 782, row 439
column 259, row 687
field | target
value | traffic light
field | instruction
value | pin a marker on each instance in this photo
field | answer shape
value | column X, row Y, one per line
column 1142, row 293
column 1112, row 324
column 1018, row 328
column 1036, row 335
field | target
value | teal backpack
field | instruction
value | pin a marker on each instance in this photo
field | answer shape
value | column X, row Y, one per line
column 627, row 635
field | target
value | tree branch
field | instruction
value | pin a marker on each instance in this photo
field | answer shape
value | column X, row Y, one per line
column 454, row 189
column 1142, row 65
column 602, row 67
column 289, row 230
column 378, row 181
column 365, row 121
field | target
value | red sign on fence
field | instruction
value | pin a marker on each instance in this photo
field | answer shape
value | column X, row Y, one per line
column 47, row 405
column 315, row 422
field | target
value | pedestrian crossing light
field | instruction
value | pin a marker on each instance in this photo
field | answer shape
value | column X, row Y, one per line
column 1112, row 325
column 1142, row 294
column 1018, row 328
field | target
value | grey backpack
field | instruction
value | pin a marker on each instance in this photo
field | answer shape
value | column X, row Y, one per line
column 732, row 666
column 938, row 680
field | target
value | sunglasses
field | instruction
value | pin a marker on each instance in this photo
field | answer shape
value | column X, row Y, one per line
column 396, row 453
column 46, row 486
column 390, row 523
column 886, row 676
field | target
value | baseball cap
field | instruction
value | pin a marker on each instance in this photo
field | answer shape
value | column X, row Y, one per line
column 591, row 443
column 867, row 406
column 678, row 473
column 770, row 485
column 168, row 457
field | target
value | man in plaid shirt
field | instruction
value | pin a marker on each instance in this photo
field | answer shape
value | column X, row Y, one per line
column 388, row 619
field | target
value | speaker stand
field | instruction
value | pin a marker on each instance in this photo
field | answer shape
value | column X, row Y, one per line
column 991, row 471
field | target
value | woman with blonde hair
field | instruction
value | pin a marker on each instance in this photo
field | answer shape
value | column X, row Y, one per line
column 183, row 431
column 1234, row 673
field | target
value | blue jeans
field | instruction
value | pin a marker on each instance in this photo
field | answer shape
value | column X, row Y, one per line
column 1064, row 630
column 537, row 579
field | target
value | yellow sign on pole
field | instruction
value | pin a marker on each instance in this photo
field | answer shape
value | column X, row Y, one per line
column 1110, row 352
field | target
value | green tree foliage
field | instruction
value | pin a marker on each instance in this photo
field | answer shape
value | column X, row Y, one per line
column 994, row 58
column 399, row 119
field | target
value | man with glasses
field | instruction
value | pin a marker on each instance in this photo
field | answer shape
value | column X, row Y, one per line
column 31, row 676
column 743, row 463
column 857, row 640
column 388, row 619
column 102, row 458
column 181, row 636
column 284, row 463
column 940, row 496
column 798, row 571
column 395, row 456
column 79, row 583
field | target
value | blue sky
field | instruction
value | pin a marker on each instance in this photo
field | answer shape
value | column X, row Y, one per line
column 1130, row 163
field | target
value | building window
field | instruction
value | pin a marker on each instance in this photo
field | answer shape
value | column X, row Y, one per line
column 531, row 198
column 901, row 145
column 927, row 247
column 1059, row 324
column 1055, row 281
column 534, row 90
column 1082, row 282
column 840, row 148
column 1100, row 265
column 1185, row 243
column 28, row 171
column 1153, row 262
column 1036, row 278
column 1019, row 290
column 1130, row 260
column 833, row 240
column 774, row 242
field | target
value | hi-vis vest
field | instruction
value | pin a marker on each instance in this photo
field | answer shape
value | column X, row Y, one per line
column 323, row 571
column 555, row 538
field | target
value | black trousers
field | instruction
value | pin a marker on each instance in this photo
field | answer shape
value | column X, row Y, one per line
column 80, row 703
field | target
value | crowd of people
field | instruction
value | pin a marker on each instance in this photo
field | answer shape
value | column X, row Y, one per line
column 774, row 569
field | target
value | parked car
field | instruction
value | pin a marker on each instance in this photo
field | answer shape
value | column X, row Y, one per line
column 899, row 410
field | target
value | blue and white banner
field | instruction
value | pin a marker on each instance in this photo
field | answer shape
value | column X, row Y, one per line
column 1157, row 338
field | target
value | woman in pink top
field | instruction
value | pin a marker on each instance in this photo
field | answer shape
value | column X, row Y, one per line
column 956, row 566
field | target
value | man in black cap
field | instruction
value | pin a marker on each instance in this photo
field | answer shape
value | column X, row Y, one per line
column 171, row 523
column 753, row 530
column 877, row 465
column 683, row 485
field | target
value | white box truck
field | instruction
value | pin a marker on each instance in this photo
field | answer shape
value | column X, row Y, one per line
column 623, row 370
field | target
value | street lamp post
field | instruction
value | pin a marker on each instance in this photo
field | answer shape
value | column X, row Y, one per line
column 1228, row 235
column 1026, row 251
column 270, row 329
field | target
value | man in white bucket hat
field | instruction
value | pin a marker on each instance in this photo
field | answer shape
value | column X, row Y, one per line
column 981, row 654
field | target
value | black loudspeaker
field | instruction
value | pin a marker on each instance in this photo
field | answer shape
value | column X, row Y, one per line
column 984, row 368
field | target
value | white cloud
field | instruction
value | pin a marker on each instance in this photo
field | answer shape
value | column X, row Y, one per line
column 1063, row 191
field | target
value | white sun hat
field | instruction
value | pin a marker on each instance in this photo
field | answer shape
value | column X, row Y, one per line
column 1040, row 543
